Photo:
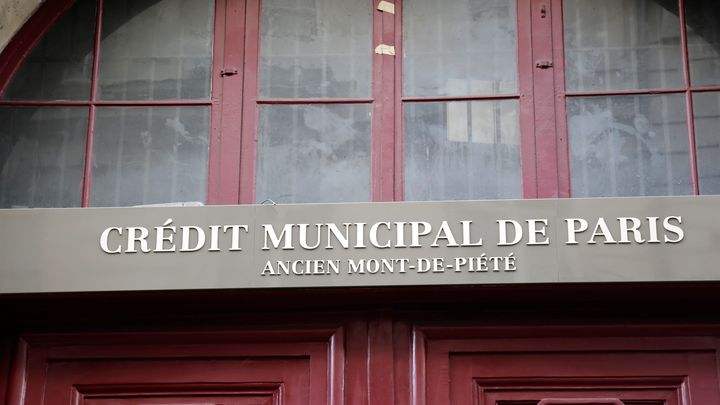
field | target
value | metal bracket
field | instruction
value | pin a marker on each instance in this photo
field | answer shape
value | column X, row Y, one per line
column 228, row 72
column 543, row 64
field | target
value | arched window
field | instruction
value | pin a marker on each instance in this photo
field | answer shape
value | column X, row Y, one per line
column 127, row 102
column 111, row 107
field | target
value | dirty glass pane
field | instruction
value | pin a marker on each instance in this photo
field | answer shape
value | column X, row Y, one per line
column 706, row 107
column 629, row 146
column 156, row 49
column 60, row 65
column 315, row 48
column 622, row 45
column 462, row 150
column 150, row 155
column 42, row 154
column 704, row 41
column 458, row 48
column 314, row 153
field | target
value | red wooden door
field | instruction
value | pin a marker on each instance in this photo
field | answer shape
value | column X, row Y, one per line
column 464, row 368
column 370, row 362
column 171, row 368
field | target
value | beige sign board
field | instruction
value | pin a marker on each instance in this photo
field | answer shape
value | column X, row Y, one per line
column 367, row 244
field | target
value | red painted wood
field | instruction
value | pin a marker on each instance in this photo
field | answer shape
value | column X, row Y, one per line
column 631, row 92
column 402, row 354
column 561, row 126
column 314, row 101
column 17, row 380
column 381, row 361
column 598, row 401
column 526, row 100
column 241, row 398
column 383, row 112
column 435, row 99
column 248, row 152
column 5, row 363
column 298, row 367
column 356, row 356
column 701, row 89
column 544, row 100
column 107, row 103
column 215, row 150
column 87, row 169
column 226, row 143
column 460, row 368
column 398, row 141
column 690, row 116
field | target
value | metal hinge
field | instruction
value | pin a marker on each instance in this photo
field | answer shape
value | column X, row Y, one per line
column 228, row 72
column 543, row 64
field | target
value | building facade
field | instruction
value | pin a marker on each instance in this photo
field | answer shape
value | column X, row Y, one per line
column 504, row 202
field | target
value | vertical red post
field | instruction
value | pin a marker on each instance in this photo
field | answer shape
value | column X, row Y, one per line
column 689, row 111
column 543, row 65
column 527, row 99
column 399, row 149
column 87, row 170
column 383, row 110
column 248, row 143
column 563, row 148
column 227, row 98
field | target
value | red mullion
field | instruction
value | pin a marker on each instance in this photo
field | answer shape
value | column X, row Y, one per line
column 398, row 131
column 382, row 149
column 690, row 115
column 302, row 101
column 544, row 100
column 98, row 103
column 226, row 142
column 561, row 127
column 248, row 136
column 638, row 92
column 43, row 103
column 459, row 98
column 527, row 109
column 87, row 170
column 705, row 89
column 214, row 195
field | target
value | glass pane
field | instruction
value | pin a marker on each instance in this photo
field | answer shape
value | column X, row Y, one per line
column 42, row 154
column 315, row 48
column 60, row 65
column 462, row 150
column 156, row 49
column 704, row 41
column 150, row 155
column 314, row 153
column 622, row 45
column 629, row 146
column 706, row 107
column 457, row 48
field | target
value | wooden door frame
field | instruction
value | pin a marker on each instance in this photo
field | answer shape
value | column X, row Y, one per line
column 384, row 327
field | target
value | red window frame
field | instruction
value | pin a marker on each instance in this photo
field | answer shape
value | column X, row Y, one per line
column 234, row 101
column 387, row 179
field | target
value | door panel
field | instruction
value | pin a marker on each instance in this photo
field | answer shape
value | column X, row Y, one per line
column 457, row 368
column 363, row 363
column 184, row 400
column 289, row 367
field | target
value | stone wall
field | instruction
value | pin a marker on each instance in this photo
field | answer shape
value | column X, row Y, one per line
column 13, row 14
